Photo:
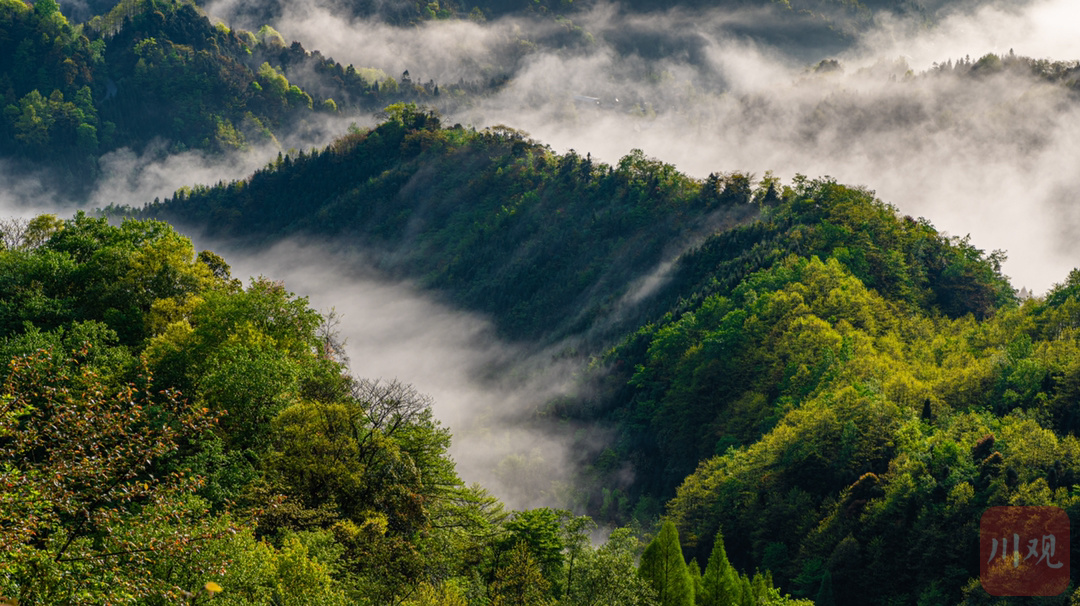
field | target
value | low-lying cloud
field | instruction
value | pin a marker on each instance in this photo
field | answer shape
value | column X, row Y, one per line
column 1041, row 29
column 484, row 390
column 993, row 155
column 989, row 155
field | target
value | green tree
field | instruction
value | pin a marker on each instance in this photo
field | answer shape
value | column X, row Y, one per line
column 607, row 575
column 81, row 513
column 695, row 578
column 825, row 592
column 720, row 583
column 520, row 581
column 575, row 537
column 663, row 566
column 541, row 531
column 746, row 591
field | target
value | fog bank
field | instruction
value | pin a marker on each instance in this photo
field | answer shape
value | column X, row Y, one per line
column 484, row 390
column 990, row 155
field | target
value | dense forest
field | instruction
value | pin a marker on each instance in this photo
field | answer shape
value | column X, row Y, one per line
column 825, row 382
column 159, row 70
column 169, row 434
column 787, row 391
column 162, row 76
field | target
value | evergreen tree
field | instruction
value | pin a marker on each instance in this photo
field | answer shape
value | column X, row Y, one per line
column 695, row 579
column 663, row 566
column 521, row 581
column 825, row 592
column 720, row 583
column 746, row 591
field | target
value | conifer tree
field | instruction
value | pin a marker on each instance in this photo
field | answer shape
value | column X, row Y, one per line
column 695, row 579
column 825, row 591
column 521, row 581
column 720, row 583
column 663, row 566
column 746, row 591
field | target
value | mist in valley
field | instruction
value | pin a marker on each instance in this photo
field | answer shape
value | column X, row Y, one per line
column 990, row 154
column 993, row 155
column 485, row 390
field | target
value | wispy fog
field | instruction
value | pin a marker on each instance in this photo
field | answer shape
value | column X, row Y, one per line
column 135, row 177
column 993, row 156
column 446, row 51
column 484, row 390
column 1042, row 28
column 27, row 194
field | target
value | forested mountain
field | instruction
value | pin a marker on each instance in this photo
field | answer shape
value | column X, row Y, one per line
column 412, row 11
column 548, row 244
column 784, row 387
column 837, row 389
column 558, row 245
column 169, row 435
column 159, row 70
column 158, row 75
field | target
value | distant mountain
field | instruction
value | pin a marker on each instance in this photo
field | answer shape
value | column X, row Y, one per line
column 160, row 70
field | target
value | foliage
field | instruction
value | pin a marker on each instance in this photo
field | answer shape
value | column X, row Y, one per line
column 158, row 70
column 78, row 455
column 543, row 244
column 663, row 566
column 252, row 463
column 720, row 582
column 841, row 389
column 814, row 353
column 520, row 580
column 607, row 576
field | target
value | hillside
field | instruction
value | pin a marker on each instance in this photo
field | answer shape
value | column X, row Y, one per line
column 170, row 435
column 768, row 386
column 558, row 245
column 500, row 224
column 159, row 71
column 158, row 78
column 818, row 378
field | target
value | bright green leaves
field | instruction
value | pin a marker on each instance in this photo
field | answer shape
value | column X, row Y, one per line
column 376, row 463
column 117, row 275
column 539, row 530
column 250, row 385
column 720, row 582
column 662, row 565
column 273, row 82
column 326, row 454
column 98, row 472
column 262, row 326
column 246, row 354
column 727, row 372
column 250, row 572
column 607, row 575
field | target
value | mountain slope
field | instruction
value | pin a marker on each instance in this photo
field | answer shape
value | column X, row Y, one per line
column 826, row 365
column 553, row 246
column 546, row 244
column 158, row 70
